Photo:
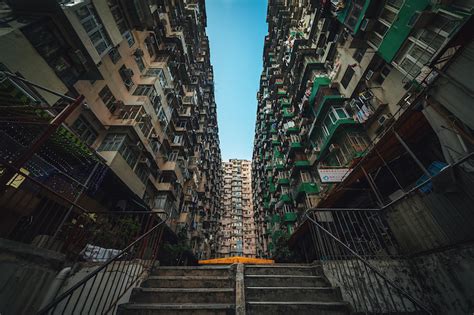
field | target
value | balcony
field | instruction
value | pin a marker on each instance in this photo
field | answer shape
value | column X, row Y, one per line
column 353, row 13
column 290, row 217
column 288, row 113
column 400, row 28
column 318, row 83
column 295, row 142
column 286, row 198
column 308, row 188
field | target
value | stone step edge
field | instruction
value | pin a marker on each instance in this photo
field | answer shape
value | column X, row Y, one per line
column 293, row 288
column 193, row 267
column 188, row 278
column 284, row 276
column 181, row 306
column 205, row 290
column 336, row 303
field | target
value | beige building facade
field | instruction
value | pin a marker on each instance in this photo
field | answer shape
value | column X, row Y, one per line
column 149, row 110
column 236, row 236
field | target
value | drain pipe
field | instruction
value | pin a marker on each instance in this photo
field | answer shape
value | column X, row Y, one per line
column 55, row 286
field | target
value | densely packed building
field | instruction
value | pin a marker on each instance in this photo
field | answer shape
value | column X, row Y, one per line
column 149, row 112
column 236, row 236
column 352, row 102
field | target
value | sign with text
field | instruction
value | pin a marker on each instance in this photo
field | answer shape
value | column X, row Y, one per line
column 333, row 175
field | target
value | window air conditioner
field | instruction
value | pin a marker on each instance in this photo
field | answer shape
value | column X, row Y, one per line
column 369, row 75
column 382, row 120
column 333, row 147
column 367, row 25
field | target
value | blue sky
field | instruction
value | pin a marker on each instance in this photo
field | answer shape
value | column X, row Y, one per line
column 236, row 31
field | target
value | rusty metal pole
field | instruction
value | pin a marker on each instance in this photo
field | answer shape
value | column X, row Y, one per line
column 41, row 140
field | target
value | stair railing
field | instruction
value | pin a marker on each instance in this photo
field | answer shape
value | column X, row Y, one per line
column 353, row 246
column 109, row 251
column 101, row 290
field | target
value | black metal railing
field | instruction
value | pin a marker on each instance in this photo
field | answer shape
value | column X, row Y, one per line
column 111, row 283
column 349, row 244
column 109, row 251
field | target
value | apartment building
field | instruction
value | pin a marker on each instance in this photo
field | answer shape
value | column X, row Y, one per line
column 337, row 75
column 236, row 236
column 363, row 110
column 149, row 112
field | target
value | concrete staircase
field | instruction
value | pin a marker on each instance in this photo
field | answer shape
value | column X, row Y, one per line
column 291, row 289
column 184, row 290
column 250, row 289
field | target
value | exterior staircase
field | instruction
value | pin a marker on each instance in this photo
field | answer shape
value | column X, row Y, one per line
column 291, row 289
column 184, row 290
column 263, row 289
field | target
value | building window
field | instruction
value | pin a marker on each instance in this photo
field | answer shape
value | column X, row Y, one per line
column 118, row 16
column 126, row 75
column 85, row 130
column 347, row 77
column 162, row 117
column 140, row 63
column 142, row 172
column 114, row 55
column 94, row 28
column 108, row 98
column 173, row 156
column 112, row 142
column 158, row 72
column 156, row 102
column 129, row 37
column 359, row 53
column 144, row 89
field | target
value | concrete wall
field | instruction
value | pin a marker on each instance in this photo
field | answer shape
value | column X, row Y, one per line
column 26, row 273
column 444, row 217
column 14, row 48
column 447, row 278
column 363, row 290
column 442, row 281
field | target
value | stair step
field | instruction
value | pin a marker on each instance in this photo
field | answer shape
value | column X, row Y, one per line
column 301, row 270
column 219, row 271
column 188, row 282
column 180, row 295
column 285, row 281
column 300, row 308
column 171, row 309
column 292, row 294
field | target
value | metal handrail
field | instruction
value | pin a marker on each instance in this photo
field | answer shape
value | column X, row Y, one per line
column 52, row 305
column 366, row 264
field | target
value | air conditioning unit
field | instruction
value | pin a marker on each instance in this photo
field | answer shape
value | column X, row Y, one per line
column 369, row 75
column 320, row 51
column 367, row 25
column 353, row 103
column 383, row 119
column 333, row 147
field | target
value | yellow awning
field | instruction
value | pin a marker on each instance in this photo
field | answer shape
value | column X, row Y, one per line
column 236, row 260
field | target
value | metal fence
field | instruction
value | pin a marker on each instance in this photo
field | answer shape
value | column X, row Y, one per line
column 109, row 284
column 339, row 236
column 110, row 251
